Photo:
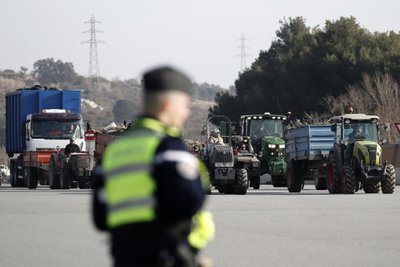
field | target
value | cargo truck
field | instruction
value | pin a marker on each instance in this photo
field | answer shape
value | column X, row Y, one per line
column 38, row 123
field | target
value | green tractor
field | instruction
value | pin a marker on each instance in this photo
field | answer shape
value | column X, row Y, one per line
column 266, row 133
column 356, row 159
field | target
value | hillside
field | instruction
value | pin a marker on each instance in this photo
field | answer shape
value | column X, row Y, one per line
column 99, row 107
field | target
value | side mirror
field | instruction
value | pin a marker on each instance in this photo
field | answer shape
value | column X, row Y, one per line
column 387, row 127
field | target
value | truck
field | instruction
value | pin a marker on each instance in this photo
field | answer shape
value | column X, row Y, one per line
column 266, row 134
column 306, row 153
column 38, row 123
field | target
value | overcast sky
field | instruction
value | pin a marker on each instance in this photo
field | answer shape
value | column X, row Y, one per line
column 200, row 37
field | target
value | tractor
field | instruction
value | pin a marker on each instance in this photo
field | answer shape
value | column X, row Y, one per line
column 356, row 161
column 266, row 133
column 231, row 170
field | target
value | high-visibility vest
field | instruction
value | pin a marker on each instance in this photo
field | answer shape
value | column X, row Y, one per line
column 129, row 185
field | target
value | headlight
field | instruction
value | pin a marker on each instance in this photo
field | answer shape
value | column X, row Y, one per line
column 281, row 146
column 271, row 146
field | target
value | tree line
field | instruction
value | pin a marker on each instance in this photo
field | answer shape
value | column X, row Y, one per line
column 305, row 66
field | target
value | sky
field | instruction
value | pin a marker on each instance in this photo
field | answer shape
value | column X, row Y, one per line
column 198, row 37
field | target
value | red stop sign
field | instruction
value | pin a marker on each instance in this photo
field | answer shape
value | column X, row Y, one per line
column 90, row 135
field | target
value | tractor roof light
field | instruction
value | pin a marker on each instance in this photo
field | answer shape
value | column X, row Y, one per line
column 267, row 113
column 273, row 117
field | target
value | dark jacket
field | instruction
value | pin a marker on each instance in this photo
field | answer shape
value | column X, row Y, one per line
column 71, row 148
column 179, row 196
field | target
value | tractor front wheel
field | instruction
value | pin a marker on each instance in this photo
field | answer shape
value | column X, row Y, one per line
column 389, row 180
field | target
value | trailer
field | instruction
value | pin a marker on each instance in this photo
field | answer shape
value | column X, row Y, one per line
column 307, row 149
column 38, row 123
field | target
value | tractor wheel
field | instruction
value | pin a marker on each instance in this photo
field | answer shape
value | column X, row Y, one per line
column 65, row 178
column 229, row 189
column 371, row 186
column 242, row 182
column 350, row 181
column 333, row 179
column 256, row 182
column 278, row 181
column 220, row 189
column 320, row 183
column 30, row 176
column 83, row 182
column 389, row 180
column 294, row 179
column 54, row 178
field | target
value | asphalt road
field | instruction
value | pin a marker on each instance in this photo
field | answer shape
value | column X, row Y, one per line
column 266, row 227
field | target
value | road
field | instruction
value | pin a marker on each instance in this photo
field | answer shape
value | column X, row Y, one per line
column 266, row 227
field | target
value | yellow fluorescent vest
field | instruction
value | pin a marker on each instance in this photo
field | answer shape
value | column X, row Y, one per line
column 129, row 186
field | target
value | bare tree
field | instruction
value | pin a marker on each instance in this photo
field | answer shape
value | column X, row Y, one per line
column 377, row 95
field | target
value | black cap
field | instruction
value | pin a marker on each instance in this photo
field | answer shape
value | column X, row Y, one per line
column 166, row 78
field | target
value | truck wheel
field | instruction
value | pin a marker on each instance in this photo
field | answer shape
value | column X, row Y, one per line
column 294, row 179
column 65, row 179
column 242, row 182
column 333, row 181
column 256, row 182
column 54, row 178
column 350, row 181
column 389, row 180
column 278, row 181
column 371, row 186
column 30, row 177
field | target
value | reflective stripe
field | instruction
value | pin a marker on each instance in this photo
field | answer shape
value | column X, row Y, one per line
column 126, row 169
column 133, row 203
column 176, row 156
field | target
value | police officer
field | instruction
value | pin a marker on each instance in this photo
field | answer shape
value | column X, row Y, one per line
column 148, row 187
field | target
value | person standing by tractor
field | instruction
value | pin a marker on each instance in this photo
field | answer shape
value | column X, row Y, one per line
column 71, row 147
column 149, row 193
column 215, row 137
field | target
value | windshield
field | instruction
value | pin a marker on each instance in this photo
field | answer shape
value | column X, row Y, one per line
column 53, row 129
column 358, row 131
column 260, row 128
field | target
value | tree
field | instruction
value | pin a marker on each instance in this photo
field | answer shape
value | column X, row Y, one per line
column 48, row 71
column 304, row 65
column 123, row 110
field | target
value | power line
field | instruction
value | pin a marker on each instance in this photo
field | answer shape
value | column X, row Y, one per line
column 94, row 67
column 242, row 54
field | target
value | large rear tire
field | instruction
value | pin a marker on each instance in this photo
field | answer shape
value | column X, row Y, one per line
column 333, row 178
column 294, row 179
column 242, row 182
column 350, row 181
column 389, row 180
column 54, row 178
